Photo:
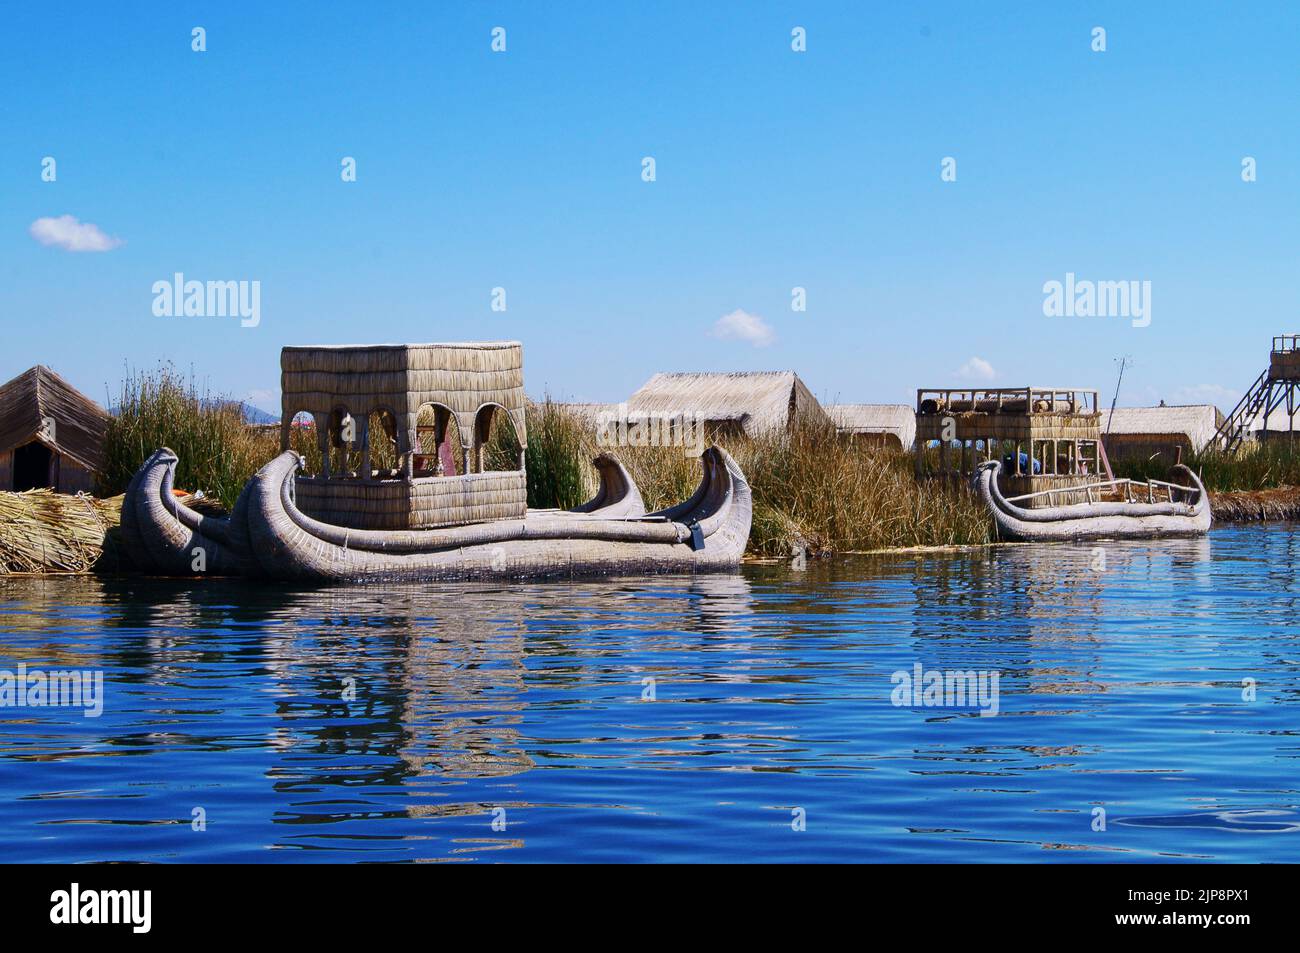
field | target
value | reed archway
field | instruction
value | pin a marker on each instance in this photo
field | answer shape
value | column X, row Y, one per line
column 496, row 440
column 383, row 445
column 345, row 443
column 441, row 451
column 303, row 438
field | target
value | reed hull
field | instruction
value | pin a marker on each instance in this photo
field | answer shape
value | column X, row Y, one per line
column 268, row 537
column 164, row 536
column 1086, row 521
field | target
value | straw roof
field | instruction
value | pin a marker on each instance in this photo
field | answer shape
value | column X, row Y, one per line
column 759, row 401
column 402, row 377
column 1194, row 422
column 898, row 420
column 39, row 393
column 588, row 413
column 1277, row 421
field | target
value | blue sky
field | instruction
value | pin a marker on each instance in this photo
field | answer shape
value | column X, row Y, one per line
column 775, row 169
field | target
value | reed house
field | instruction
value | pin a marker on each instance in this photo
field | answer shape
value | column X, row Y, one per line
column 1047, row 438
column 51, row 434
column 408, row 436
column 1165, row 433
column 749, row 403
column 887, row 426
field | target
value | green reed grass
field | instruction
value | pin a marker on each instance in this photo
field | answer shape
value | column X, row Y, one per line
column 218, row 452
column 812, row 487
column 1255, row 466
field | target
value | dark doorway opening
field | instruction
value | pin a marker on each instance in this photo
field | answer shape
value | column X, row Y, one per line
column 31, row 466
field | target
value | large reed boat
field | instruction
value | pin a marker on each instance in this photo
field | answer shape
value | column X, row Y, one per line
column 408, row 486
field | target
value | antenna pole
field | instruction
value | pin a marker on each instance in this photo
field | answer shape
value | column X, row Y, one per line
column 1123, row 363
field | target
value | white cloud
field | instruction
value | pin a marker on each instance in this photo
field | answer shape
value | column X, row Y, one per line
column 977, row 369
column 71, row 235
column 1206, row 394
column 743, row 326
column 264, row 397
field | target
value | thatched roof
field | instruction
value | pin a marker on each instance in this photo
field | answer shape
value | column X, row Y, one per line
column 896, row 419
column 1277, row 421
column 38, row 393
column 588, row 413
column 1196, row 422
column 402, row 377
column 759, row 401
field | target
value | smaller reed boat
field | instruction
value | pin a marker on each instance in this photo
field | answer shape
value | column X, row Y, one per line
column 1107, row 509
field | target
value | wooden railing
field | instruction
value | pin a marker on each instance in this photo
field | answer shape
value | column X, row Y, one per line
column 1124, row 485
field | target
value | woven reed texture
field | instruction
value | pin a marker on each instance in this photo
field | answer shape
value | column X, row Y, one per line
column 1130, row 429
column 404, row 377
column 885, row 420
column 420, row 504
column 760, row 401
column 977, row 426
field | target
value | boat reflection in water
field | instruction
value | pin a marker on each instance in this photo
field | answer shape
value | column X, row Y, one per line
column 671, row 718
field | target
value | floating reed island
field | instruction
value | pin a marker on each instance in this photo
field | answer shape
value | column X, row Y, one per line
column 821, row 480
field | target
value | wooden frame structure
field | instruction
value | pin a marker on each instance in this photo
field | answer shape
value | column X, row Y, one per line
column 1052, row 436
column 1276, row 386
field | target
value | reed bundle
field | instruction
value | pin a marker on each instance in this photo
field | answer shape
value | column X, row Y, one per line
column 46, row 532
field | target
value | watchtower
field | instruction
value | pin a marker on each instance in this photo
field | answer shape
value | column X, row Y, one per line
column 1273, row 389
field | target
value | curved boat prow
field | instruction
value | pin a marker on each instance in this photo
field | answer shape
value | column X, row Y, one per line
column 163, row 535
column 618, row 496
column 1187, row 515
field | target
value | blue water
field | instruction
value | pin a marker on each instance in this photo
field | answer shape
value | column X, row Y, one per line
column 1120, row 688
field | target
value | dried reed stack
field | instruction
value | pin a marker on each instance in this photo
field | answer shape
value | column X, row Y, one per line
column 46, row 532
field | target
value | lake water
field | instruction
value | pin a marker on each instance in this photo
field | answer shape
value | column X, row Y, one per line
column 747, row 717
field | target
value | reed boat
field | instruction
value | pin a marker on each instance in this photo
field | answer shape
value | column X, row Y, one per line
column 442, row 511
column 708, row 532
column 1107, row 509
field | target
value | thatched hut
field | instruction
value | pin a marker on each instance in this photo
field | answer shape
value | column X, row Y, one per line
column 740, row 402
column 51, row 434
column 1145, row 432
column 891, row 426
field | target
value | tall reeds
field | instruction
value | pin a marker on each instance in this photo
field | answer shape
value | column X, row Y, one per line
column 218, row 451
column 813, row 488
column 1255, row 466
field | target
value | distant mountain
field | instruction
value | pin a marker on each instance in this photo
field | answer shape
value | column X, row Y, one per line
column 255, row 415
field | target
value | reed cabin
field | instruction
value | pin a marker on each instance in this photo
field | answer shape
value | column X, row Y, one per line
column 51, row 434
column 407, row 436
column 1047, row 438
